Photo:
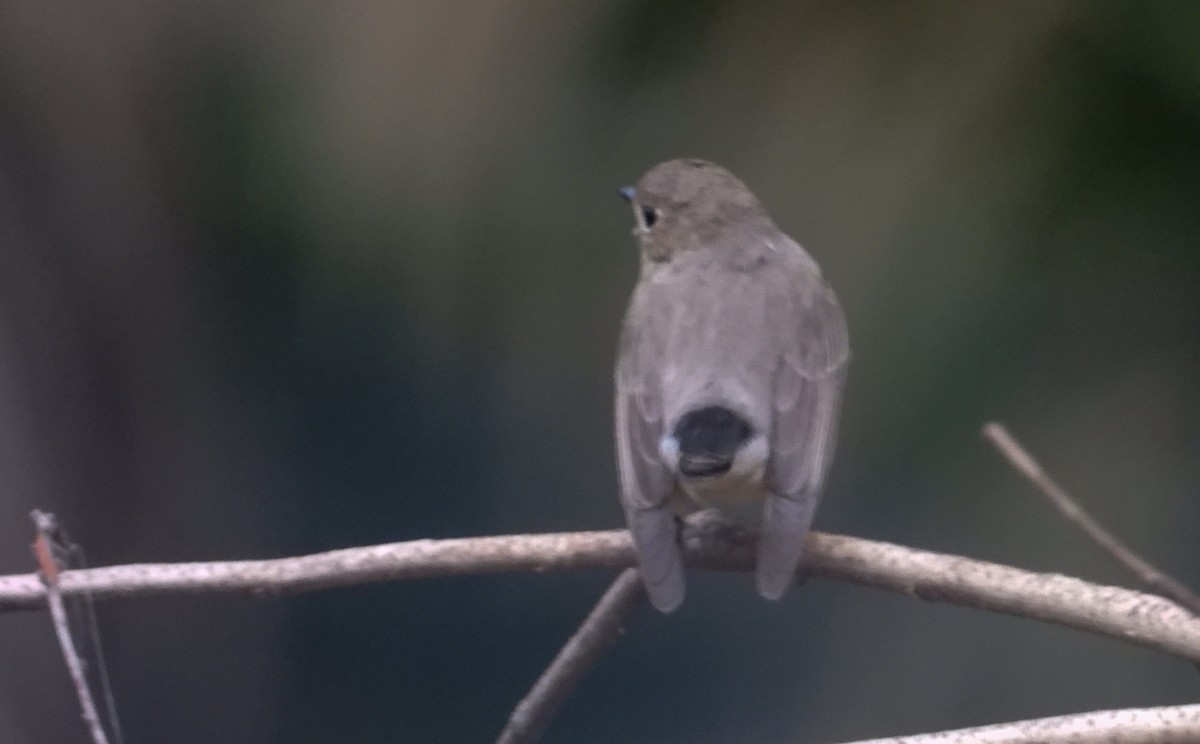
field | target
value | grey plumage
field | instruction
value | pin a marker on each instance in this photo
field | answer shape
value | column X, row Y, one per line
column 728, row 314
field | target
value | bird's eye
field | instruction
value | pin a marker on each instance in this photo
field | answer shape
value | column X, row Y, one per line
column 649, row 217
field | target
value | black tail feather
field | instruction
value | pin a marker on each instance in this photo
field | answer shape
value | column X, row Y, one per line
column 708, row 440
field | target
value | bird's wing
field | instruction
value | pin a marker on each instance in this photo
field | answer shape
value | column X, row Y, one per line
column 646, row 482
column 807, row 400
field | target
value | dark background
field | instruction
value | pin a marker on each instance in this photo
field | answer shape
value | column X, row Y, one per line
column 283, row 277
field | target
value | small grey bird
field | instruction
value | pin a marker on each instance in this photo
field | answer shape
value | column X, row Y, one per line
column 729, row 374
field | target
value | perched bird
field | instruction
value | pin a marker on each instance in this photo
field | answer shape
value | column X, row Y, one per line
column 729, row 374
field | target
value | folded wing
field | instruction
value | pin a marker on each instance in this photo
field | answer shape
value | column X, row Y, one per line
column 807, row 402
column 645, row 480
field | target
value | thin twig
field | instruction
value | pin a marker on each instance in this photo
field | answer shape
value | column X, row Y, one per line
column 599, row 631
column 1120, row 613
column 1169, row 725
column 1154, row 579
column 50, row 576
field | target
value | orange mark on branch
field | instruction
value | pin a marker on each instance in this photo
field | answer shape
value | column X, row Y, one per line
column 46, row 563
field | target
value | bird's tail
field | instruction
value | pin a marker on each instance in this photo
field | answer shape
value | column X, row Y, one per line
column 708, row 440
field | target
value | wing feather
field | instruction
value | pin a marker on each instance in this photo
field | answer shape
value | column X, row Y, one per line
column 645, row 480
column 807, row 403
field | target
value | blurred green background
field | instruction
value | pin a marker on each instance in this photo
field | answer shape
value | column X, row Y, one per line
column 284, row 277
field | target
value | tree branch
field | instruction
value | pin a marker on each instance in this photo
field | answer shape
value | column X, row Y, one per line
column 1026, row 465
column 599, row 631
column 1124, row 614
column 49, row 574
column 1172, row 725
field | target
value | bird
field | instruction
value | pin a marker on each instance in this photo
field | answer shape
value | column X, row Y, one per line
column 730, row 369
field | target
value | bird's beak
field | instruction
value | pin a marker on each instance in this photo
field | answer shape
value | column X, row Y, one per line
column 628, row 193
